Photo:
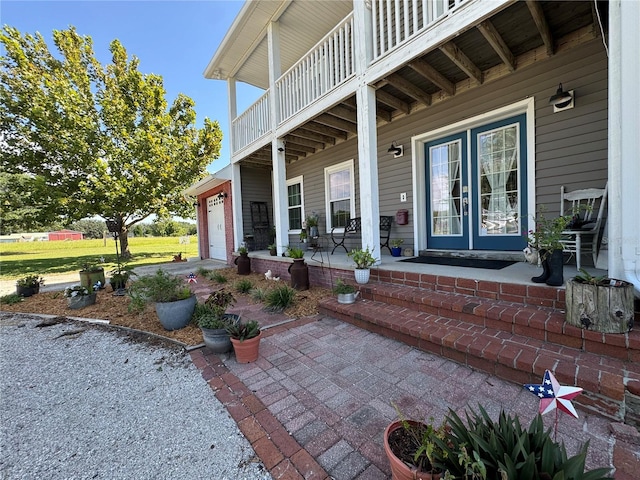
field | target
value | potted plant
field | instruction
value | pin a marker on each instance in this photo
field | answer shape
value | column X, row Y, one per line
column 312, row 223
column 363, row 260
column 174, row 301
column 546, row 240
column 601, row 304
column 346, row 293
column 29, row 285
column 213, row 320
column 80, row 296
column 243, row 261
column 119, row 277
column 396, row 250
column 303, row 236
column 413, row 449
column 245, row 338
column 92, row 276
column 273, row 250
column 298, row 269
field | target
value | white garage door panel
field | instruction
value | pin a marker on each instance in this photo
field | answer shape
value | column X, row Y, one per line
column 215, row 219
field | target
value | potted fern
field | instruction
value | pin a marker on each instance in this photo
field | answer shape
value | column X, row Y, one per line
column 245, row 338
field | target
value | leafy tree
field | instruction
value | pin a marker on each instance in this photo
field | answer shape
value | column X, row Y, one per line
column 89, row 228
column 102, row 140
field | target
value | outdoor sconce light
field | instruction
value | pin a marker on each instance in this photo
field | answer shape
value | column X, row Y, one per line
column 562, row 100
column 197, row 204
column 397, row 150
column 222, row 195
column 281, row 149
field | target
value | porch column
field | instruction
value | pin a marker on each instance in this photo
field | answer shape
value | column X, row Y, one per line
column 236, row 203
column 367, row 133
column 233, row 111
column 624, row 143
column 280, row 214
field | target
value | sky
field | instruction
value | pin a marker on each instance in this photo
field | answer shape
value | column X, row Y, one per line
column 174, row 39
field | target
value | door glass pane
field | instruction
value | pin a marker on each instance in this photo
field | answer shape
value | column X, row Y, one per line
column 445, row 163
column 498, row 160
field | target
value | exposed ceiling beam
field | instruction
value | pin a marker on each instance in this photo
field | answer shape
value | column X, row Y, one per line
column 325, row 130
column 344, row 113
column 338, row 123
column 293, row 145
column 392, row 101
column 313, row 135
column 463, row 62
column 300, row 140
column 291, row 150
column 434, row 76
column 409, row 88
column 496, row 41
column 541, row 24
column 380, row 113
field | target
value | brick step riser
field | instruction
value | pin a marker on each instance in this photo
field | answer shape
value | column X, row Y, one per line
column 498, row 357
column 540, row 323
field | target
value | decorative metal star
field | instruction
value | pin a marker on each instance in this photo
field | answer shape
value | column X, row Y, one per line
column 553, row 395
column 191, row 278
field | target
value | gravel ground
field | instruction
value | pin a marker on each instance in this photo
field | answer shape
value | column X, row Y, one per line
column 82, row 402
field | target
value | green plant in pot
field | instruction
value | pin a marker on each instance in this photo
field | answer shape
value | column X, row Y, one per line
column 29, row 285
column 396, row 250
column 213, row 320
column 174, row 301
column 273, row 249
column 245, row 338
column 546, row 240
column 346, row 293
column 364, row 260
column 80, row 296
column 119, row 276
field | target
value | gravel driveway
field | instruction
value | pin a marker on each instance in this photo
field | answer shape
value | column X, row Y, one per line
column 82, row 402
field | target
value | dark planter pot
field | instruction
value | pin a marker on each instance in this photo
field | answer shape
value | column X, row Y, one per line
column 176, row 315
column 556, row 269
column 273, row 252
column 218, row 339
column 27, row 291
column 396, row 251
column 89, row 278
column 299, row 274
column 244, row 264
column 118, row 284
column 544, row 261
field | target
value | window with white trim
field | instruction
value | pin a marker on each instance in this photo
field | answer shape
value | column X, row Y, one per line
column 339, row 194
column 295, row 203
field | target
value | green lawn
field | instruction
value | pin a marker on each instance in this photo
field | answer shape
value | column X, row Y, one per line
column 18, row 259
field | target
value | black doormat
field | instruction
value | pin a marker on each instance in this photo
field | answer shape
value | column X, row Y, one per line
column 461, row 262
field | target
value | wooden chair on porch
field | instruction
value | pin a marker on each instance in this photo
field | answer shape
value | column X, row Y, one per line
column 583, row 233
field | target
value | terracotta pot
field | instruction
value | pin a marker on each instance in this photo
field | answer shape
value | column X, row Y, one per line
column 247, row 350
column 244, row 264
column 400, row 470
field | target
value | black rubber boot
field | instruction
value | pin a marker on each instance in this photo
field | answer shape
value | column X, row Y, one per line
column 545, row 268
column 556, row 267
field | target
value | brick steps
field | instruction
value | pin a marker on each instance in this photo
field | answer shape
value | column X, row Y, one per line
column 513, row 341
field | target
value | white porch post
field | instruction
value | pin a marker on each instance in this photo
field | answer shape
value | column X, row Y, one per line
column 280, row 213
column 236, row 181
column 624, row 142
column 367, row 134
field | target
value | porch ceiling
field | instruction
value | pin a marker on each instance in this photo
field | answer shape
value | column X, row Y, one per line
column 521, row 34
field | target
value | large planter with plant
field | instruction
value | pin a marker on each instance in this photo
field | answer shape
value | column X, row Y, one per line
column 90, row 275
column 243, row 261
column 29, row 285
column 346, row 293
column 210, row 316
column 174, row 302
column 79, row 296
column 600, row 304
column 363, row 260
column 245, row 338
column 411, row 449
column 298, row 269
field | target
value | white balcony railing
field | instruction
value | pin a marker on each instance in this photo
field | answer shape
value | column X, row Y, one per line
column 396, row 21
column 330, row 63
column 252, row 124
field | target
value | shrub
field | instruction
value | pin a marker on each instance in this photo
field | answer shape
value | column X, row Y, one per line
column 161, row 287
column 243, row 286
column 280, row 298
column 218, row 277
column 11, row 299
column 258, row 294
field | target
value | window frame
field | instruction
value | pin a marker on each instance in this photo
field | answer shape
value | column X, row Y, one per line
column 293, row 181
column 328, row 171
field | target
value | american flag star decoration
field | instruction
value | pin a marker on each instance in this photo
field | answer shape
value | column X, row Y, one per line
column 552, row 395
column 191, row 278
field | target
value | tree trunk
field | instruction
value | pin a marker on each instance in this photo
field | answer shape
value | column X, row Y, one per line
column 124, row 243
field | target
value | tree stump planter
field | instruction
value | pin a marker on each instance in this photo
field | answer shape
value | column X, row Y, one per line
column 605, row 307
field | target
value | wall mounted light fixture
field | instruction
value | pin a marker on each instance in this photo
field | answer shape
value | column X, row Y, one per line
column 562, row 100
column 222, row 195
column 281, row 149
column 196, row 204
column 397, row 150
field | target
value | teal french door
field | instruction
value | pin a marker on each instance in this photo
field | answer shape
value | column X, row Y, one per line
column 477, row 188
